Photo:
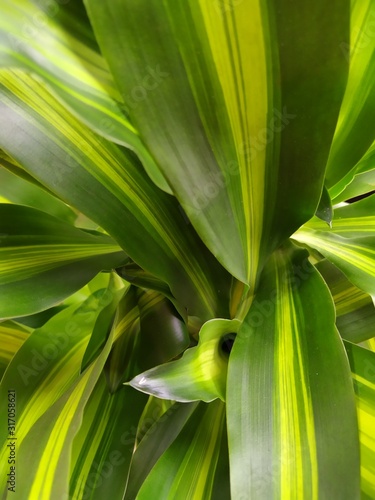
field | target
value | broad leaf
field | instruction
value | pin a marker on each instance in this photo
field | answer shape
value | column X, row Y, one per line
column 108, row 184
column 244, row 118
column 362, row 363
column 44, row 260
column 292, row 427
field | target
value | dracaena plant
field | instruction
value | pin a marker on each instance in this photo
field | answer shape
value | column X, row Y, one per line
column 185, row 291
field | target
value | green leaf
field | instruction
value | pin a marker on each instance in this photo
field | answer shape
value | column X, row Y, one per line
column 236, row 102
column 12, row 336
column 44, row 368
column 362, row 362
column 20, row 192
column 201, row 372
column 350, row 244
column 44, row 260
column 108, row 184
column 164, row 429
column 325, row 210
column 51, row 44
column 187, row 468
column 364, row 178
column 353, row 135
column 288, row 383
column 44, row 456
column 163, row 335
column 109, row 300
column 355, row 311
column 122, row 362
column 103, row 446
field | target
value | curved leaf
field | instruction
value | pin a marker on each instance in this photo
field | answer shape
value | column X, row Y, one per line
column 355, row 311
column 350, row 244
column 353, row 137
column 109, row 185
column 292, row 427
column 44, row 368
column 362, row 363
column 44, row 456
column 20, row 192
column 235, row 105
column 103, row 447
column 12, row 336
column 43, row 260
column 51, row 44
column 187, row 468
column 201, row 372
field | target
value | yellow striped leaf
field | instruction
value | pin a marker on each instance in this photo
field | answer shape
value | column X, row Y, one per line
column 349, row 244
column 45, row 377
column 40, row 256
column 187, row 468
column 235, row 106
column 12, row 336
column 200, row 374
column 353, row 138
column 108, row 184
column 103, row 446
column 289, row 385
column 57, row 44
column 355, row 311
column 362, row 362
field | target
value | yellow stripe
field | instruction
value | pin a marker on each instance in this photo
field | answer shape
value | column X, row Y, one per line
column 94, row 438
column 104, row 165
column 291, row 391
column 45, row 475
column 242, row 70
column 18, row 263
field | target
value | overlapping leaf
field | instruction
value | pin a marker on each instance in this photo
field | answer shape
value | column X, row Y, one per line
column 201, row 372
column 16, row 190
column 362, row 362
column 103, row 446
column 350, row 244
column 245, row 114
column 43, row 260
column 44, row 456
column 57, row 44
column 45, row 367
column 353, row 136
column 355, row 311
column 288, row 384
column 187, row 468
column 12, row 336
column 109, row 185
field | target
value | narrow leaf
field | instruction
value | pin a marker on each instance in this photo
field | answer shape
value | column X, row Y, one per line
column 44, row 260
